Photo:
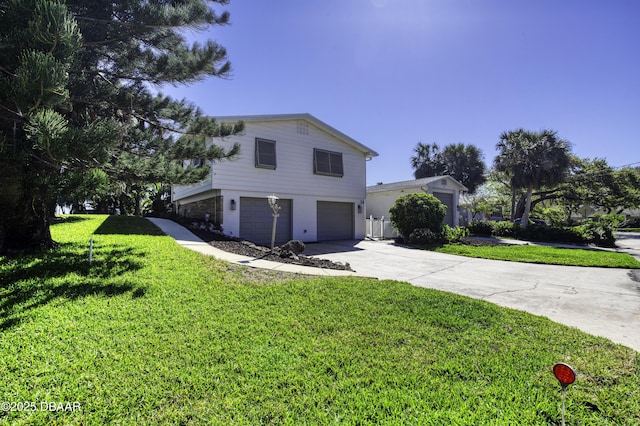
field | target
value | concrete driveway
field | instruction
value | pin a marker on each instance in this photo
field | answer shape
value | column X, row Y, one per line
column 629, row 242
column 599, row 301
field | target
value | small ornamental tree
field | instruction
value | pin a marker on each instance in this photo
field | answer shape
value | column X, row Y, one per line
column 417, row 211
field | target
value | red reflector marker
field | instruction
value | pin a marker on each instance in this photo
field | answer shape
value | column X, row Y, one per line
column 564, row 373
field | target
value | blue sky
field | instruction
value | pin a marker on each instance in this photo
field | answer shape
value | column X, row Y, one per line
column 392, row 73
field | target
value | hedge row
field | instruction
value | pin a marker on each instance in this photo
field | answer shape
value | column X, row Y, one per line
column 591, row 232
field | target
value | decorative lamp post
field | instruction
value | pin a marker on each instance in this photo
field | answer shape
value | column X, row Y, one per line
column 273, row 203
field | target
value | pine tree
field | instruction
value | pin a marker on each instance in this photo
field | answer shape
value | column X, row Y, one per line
column 77, row 92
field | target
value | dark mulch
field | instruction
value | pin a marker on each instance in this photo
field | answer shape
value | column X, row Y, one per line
column 247, row 248
column 482, row 241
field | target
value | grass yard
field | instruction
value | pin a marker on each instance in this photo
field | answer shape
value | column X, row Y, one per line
column 152, row 333
column 544, row 254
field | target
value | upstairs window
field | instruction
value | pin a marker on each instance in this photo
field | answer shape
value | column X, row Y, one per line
column 302, row 128
column 265, row 153
column 198, row 163
column 327, row 163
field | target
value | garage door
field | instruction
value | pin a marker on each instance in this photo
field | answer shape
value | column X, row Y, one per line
column 256, row 220
column 335, row 221
column 447, row 200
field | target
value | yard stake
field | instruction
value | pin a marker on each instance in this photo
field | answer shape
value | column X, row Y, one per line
column 566, row 375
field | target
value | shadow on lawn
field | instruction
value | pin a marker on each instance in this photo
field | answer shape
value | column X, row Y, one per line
column 67, row 219
column 63, row 273
column 127, row 225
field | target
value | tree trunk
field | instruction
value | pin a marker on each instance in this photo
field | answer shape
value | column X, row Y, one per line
column 527, row 208
column 24, row 219
column 542, row 196
column 137, row 199
column 513, row 203
column 122, row 205
column 519, row 211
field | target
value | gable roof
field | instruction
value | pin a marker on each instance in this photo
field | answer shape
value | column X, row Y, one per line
column 370, row 153
column 415, row 183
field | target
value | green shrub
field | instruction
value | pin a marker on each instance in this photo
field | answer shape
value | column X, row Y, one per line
column 533, row 232
column 554, row 215
column 453, row 235
column 599, row 232
column 504, row 228
column 591, row 232
column 424, row 236
column 560, row 234
column 417, row 211
column 481, row 228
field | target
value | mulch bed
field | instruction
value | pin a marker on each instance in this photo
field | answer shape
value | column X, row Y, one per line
column 481, row 242
column 247, row 248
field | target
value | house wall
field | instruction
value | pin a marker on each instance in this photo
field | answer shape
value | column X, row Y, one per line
column 379, row 203
column 198, row 190
column 292, row 179
column 294, row 154
column 197, row 206
column 304, row 207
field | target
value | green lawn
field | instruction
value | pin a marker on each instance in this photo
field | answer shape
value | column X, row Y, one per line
column 544, row 254
column 152, row 333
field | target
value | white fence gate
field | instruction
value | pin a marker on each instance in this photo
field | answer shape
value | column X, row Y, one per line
column 380, row 229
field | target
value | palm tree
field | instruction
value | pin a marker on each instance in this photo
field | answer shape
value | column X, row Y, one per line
column 532, row 160
column 426, row 161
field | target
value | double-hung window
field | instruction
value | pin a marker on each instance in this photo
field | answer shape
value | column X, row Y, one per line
column 265, row 153
column 198, row 163
column 327, row 163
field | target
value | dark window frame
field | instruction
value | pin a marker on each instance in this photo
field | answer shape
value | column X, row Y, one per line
column 333, row 161
column 260, row 160
column 197, row 163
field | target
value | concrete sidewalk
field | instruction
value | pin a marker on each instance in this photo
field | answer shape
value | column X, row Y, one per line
column 187, row 239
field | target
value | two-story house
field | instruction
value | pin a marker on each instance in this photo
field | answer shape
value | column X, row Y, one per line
column 317, row 172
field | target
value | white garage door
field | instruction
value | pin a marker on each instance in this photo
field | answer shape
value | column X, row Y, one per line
column 447, row 200
column 335, row 221
column 256, row 220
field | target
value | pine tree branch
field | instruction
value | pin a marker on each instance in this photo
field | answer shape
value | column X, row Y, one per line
column 15, row 113
column 198, row 27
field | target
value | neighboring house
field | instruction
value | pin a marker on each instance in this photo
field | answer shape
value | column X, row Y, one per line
column 381, row 197
column 588, row 212
column 317, row 172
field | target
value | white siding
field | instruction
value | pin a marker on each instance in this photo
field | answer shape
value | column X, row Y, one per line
column 179, row 192
column 292, row 179
column 294, row 153
column 379, row 203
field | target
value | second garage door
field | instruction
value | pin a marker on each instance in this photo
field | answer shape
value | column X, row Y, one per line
column 335, row 221
column 447, row 200
column 256, row 220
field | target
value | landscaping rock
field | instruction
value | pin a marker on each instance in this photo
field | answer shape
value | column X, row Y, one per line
column 288, row 254
column 294, row 246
